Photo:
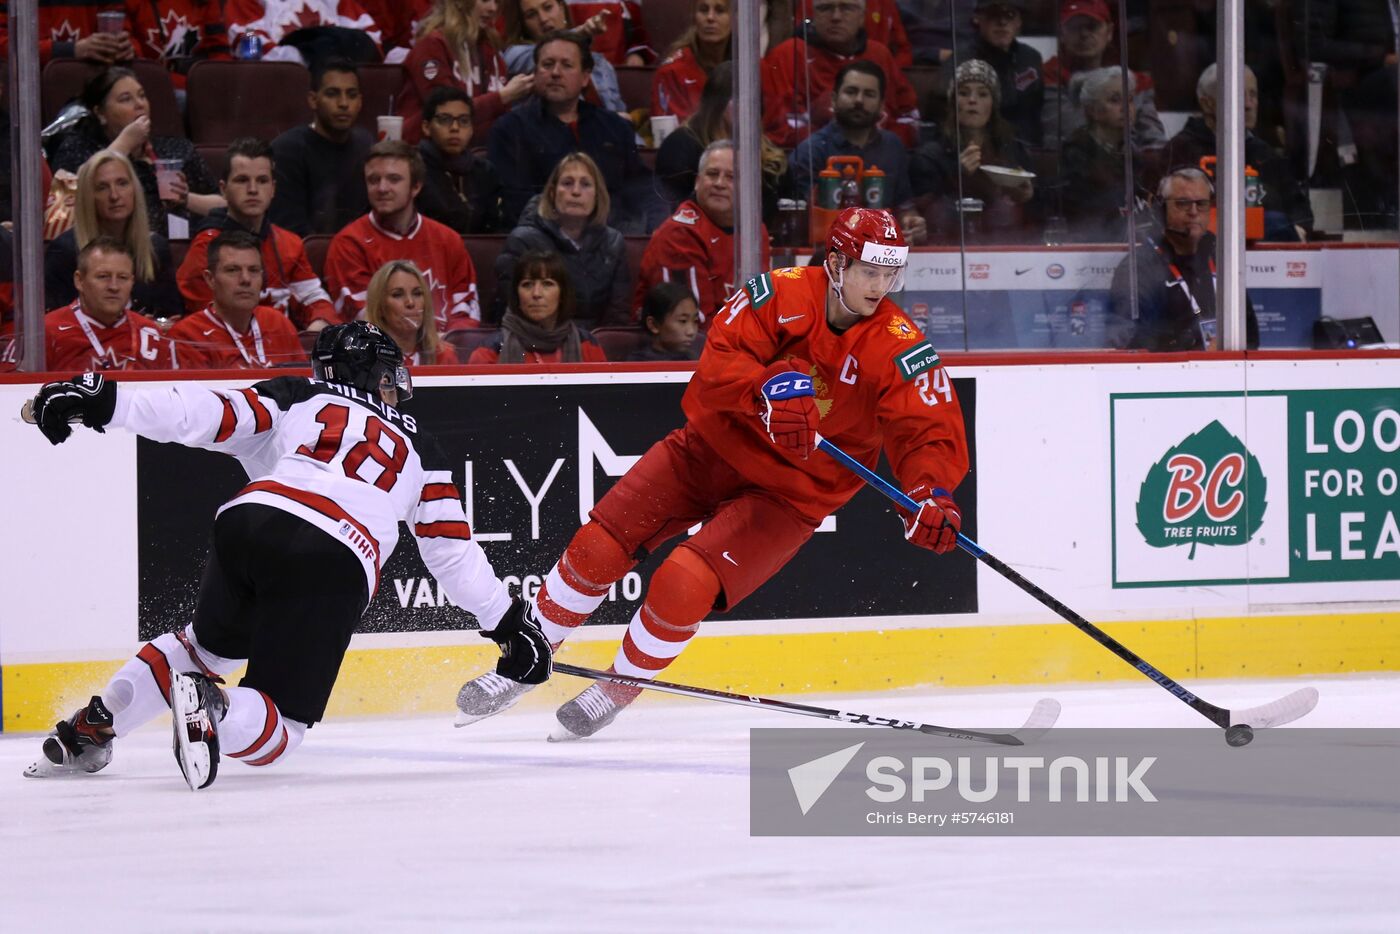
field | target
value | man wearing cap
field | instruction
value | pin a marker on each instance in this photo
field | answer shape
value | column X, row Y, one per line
column 1086, row 32
column 1019, row 67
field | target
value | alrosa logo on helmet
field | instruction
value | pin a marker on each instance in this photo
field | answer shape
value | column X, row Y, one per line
column 1209, row 489
column 880, row 254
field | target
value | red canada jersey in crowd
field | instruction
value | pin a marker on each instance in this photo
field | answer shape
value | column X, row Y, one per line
column 882, row 23
column 330, row 455
column 677, row 85
column 446, row 356
column 289, row 283
column 175, row 31
column 207, row 341
column 362, row 246
column 61, row 23
column 76, row 341
column 431, row 64
column 798, row 78
column 625, row 34
column 397, row 20
column 9, row 352
column 274, row 20
column 879, row 387
column 691, row 248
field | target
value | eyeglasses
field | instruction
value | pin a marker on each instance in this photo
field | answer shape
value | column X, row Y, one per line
column 1188, row 204
column 447, row 120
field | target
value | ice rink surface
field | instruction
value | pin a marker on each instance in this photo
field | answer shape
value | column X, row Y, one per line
column 410, row 825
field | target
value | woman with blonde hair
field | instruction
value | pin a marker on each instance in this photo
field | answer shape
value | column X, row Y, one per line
column 681, row 77
column 457, row 46
column 110, row 202
column 570, row 217
column 400, row 304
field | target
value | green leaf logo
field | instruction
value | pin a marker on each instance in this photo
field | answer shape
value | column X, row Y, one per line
column 1207, row 490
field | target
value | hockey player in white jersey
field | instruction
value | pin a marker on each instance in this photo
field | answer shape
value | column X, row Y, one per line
column 334, row 467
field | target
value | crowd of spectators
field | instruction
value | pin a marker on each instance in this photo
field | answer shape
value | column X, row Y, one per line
column 523, row 120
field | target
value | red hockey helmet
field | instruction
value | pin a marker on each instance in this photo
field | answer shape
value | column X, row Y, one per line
column 868, row 235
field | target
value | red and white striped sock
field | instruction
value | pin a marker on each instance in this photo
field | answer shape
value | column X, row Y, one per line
column 579, row 581
column 140, row 690
column 254, row 730
column 651, row 643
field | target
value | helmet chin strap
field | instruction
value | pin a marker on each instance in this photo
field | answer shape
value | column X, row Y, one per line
column 838, row 283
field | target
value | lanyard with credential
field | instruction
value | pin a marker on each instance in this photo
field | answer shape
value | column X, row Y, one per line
column 238, row 341
column 1181, row 280
column 91, row 335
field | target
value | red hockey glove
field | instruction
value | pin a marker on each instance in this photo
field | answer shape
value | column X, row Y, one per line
column 788, row 406
column 935, row 526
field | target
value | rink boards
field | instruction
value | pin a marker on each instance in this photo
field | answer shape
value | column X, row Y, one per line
column 1223, row 518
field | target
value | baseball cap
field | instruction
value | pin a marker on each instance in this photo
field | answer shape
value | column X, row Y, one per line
column 1094, row 9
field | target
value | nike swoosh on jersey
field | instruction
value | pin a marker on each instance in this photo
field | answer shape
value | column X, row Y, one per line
column 785, row 320
column 729, row 559
column 207, row 333
column 66, row 327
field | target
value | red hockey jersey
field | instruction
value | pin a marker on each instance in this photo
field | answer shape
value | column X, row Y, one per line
column 349, row 465
column 362, row 246
column 273, row 20
column 798, row 78
column 77, row 342
column 431, row 64
column 289, row 283
column 625, row 35
column 677, row 85
column 691, row 248
column 207, row 341
column 882, row 23
column 397, row 20
column 176, row 31
column 880, row 387
column 61, row 24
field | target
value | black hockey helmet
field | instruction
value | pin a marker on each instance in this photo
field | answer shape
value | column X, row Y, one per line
column 359, row 354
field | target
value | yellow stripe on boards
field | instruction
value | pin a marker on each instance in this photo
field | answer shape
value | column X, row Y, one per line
column 424, row 680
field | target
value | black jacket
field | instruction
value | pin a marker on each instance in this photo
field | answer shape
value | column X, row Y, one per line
column 1092, row 195
column 1164, row 319
column 320, row 183
column 1282, row 192
column 597, row 267
column 461, row 192
column 1021, row 74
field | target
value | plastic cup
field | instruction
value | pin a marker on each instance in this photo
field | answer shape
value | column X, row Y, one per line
column 111, row 21
column 390, row 128
column 167, row 173
column 662, row 127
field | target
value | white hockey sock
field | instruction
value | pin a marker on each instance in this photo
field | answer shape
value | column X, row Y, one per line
column 650, row 644
column 254, row 730
column 563, row 602
column 140, row 690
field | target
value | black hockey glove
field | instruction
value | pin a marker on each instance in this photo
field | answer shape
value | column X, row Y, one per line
column 525, row 653
column 88, row 398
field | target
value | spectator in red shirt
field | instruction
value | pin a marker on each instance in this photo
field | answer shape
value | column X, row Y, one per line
column 393, row 229
column 681, row 76
column 97, row 332
column 234, row 331
column 617, row 29
column 696, row 244
column 539, row 325
column 457, row 46
column 798, row 76
column 290, row 284
column 68, row 29
column 178, row 33
column 399, row 303
column 882, row 23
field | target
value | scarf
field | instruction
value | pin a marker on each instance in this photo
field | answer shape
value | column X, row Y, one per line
column 523, row 335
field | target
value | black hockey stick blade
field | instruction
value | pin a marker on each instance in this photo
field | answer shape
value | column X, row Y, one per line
column 1042, row 718
column 1276, row 713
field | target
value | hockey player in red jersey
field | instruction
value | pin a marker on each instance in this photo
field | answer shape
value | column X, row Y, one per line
column 338, row 467
column 794, row 352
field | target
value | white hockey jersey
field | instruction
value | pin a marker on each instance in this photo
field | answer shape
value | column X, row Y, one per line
column 338, row 459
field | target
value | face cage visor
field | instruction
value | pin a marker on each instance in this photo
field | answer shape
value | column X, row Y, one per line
column 892, row 276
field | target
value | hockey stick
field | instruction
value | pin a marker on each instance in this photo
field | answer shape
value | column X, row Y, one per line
column 1042, row 718
column 1276, row 713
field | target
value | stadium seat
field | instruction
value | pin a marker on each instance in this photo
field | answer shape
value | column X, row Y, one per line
column 483, row 249
column 665, row 22
column 226, row 100
column 317, row 246
column 178, row 249
column 468, row 339
column 380, row 87
column 619, row 343
column 63, row 80
column 215, row 157
column 634, row 81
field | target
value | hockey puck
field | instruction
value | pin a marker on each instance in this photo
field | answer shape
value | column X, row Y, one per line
column 1239, row 735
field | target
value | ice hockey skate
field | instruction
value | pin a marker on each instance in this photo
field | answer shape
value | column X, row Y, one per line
column 487, row 695
column 78, row 745
column 595, row 708
column 196, row 707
